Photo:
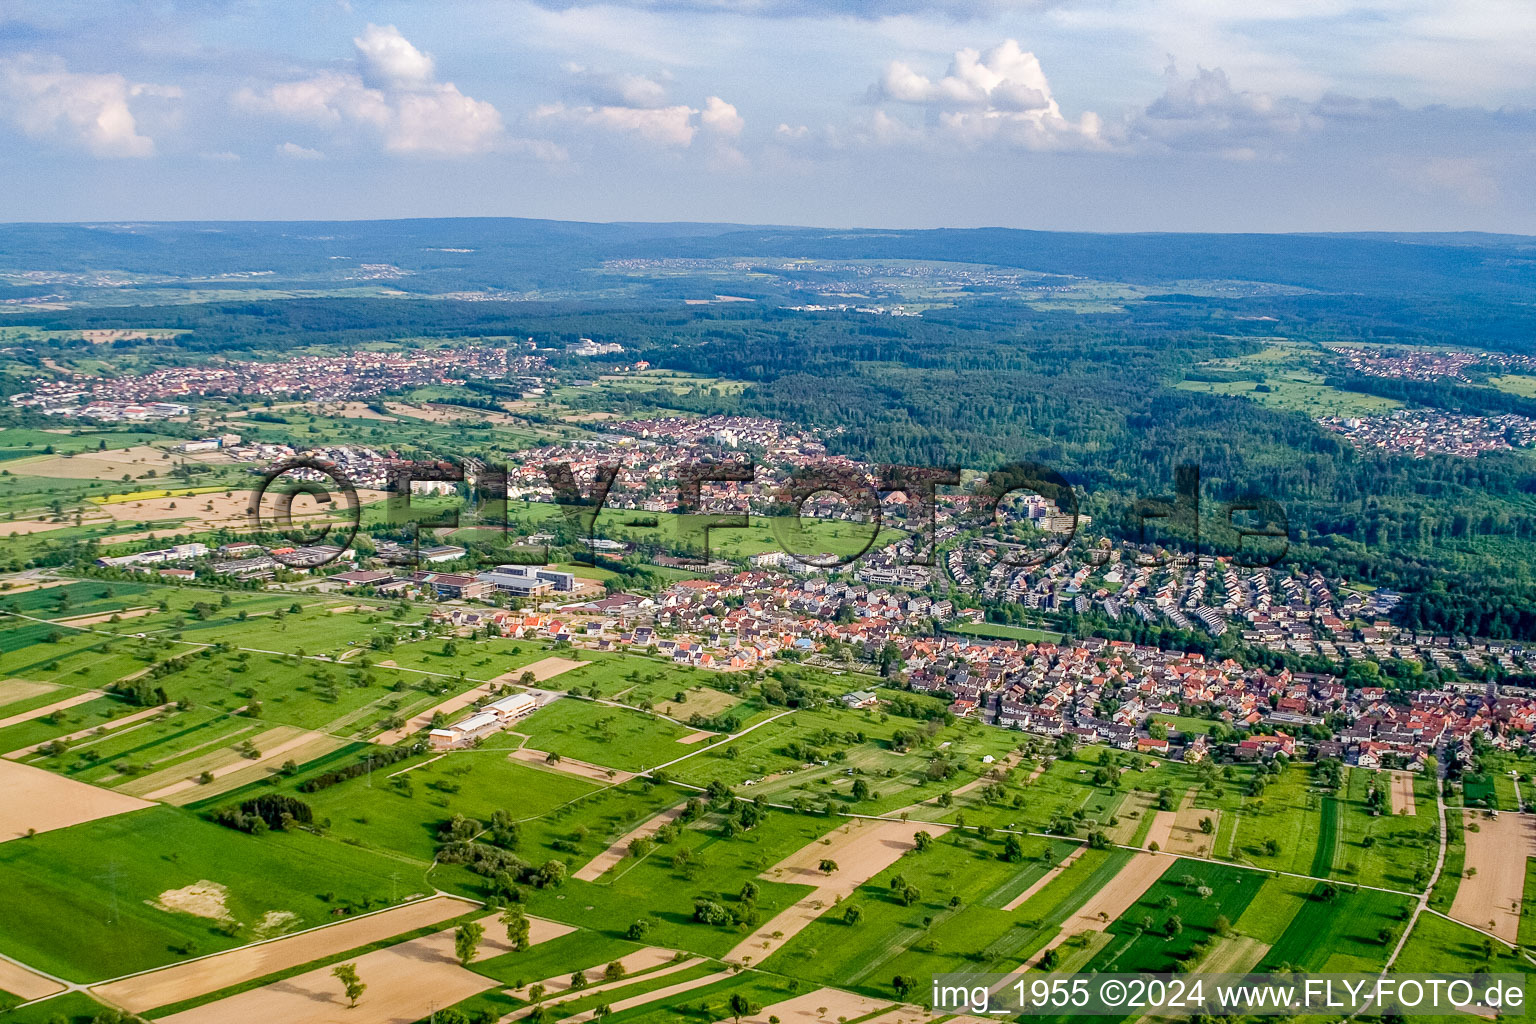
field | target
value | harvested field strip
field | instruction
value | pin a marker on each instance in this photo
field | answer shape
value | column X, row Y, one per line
column 1107, row 904
column 147, row 784
column 25, row 984
column 1493, row 883
column 116, row 723
column 1402, row 793
column 597, row 866
column 548, row 668
column 14, row 691
column 862, row 849
column 33, row 800
column 802, row 1009
column 301, row 752
column 1045, row 879
column 48, row 709
column 570, row 766
column 405, row 983
column 225, row 970
column 651, row 962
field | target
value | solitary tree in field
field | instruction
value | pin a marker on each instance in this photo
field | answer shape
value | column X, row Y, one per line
column 466, row 940
column 517, row 928
column 347, row 975
column 741, row 1006
column 853, row 915
column 903, row 984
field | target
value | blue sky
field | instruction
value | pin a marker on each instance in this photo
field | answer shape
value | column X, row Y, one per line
column 1103, row 115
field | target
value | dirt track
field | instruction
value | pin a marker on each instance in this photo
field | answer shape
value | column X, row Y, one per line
column 31, row 798
column 1497, row 852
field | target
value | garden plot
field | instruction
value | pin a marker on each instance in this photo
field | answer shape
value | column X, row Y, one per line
column 1490, row 894
column 861, row 850
column 224, row 970
column 1402, row 793
column 33, row 800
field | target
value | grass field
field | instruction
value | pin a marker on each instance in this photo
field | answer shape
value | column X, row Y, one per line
column 994, row 630
column 91, row 890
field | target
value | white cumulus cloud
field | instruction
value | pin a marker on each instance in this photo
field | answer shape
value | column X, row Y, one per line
column 1002, row 93
column 294, row 151
column 47, row 100
column 394, row 93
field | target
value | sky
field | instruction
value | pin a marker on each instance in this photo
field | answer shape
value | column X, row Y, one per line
column 1096, row 115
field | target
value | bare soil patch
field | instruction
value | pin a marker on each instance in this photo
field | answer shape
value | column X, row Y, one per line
column 597, row 866
column 31, row 798
column 1402, row 793
column 1045, row 879
column 1104, row 906
column 861, row 849
column 570, row 766
column 697, row 737
column 1489, row 894
column 405, row 983
column 200, row 899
